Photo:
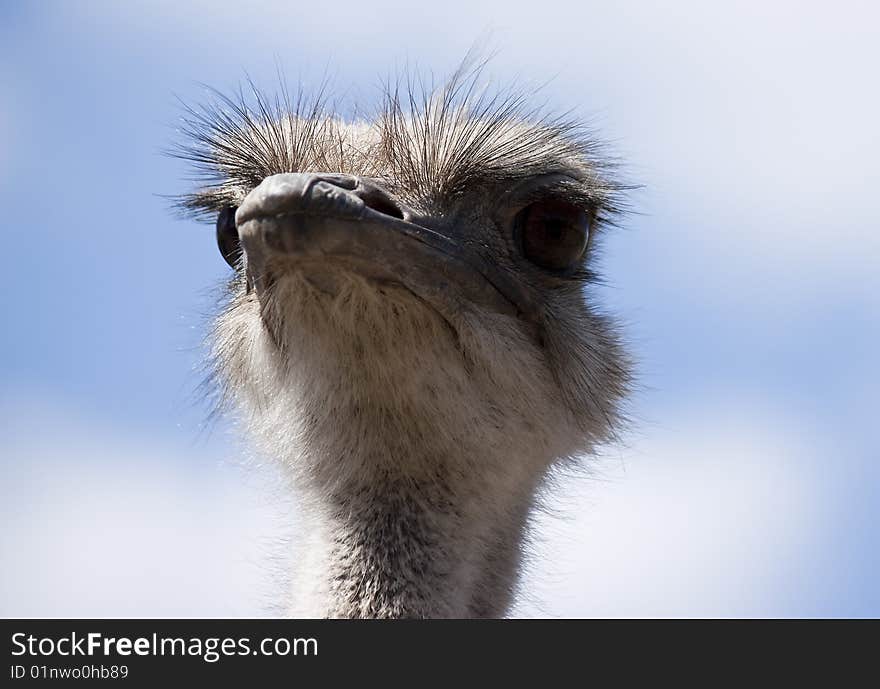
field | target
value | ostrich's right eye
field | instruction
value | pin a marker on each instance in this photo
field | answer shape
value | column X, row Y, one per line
column 227, row 236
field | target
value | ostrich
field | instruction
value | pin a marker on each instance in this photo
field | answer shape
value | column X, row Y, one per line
column 407, row 329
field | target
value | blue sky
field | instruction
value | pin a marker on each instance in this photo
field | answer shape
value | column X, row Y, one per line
column 747, row 280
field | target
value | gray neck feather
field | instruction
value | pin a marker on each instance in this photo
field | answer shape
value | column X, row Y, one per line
column 398, row 545
column 418, row 455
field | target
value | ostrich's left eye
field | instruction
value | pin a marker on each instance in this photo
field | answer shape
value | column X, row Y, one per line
column 227, row 236
column 553, row 234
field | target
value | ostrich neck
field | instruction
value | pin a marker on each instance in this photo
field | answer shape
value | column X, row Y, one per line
column 422, row 535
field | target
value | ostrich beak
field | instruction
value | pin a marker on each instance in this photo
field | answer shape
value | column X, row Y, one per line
column 352, row 220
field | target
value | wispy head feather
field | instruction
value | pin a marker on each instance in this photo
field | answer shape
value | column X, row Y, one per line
column 428, row 142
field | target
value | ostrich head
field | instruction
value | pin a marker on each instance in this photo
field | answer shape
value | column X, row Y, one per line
column 408, row 330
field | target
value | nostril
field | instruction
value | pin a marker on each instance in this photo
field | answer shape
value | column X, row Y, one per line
column 382, row 204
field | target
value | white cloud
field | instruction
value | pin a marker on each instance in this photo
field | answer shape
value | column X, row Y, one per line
column 100, row 523
column 710, row 518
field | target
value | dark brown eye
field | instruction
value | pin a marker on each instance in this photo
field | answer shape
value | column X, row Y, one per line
column 553, row 234
column 227, row 236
